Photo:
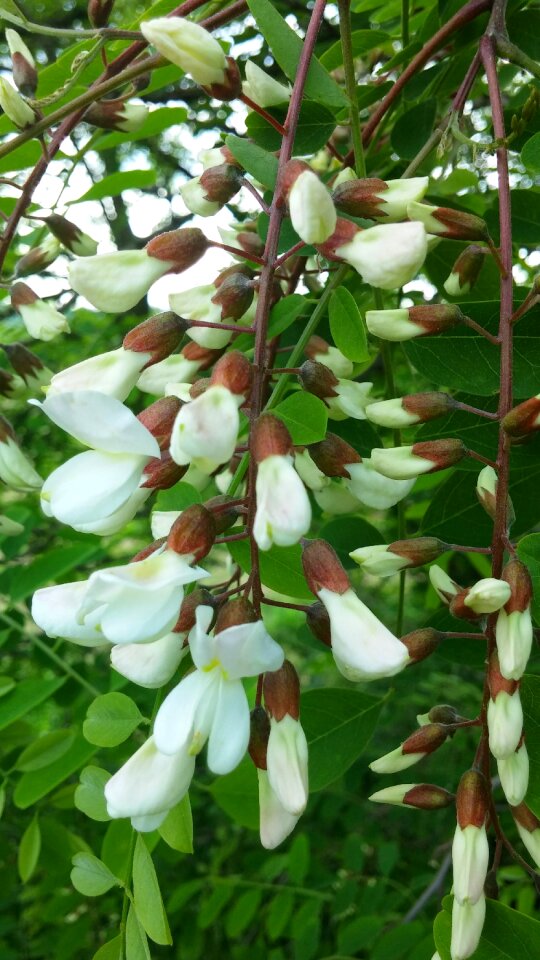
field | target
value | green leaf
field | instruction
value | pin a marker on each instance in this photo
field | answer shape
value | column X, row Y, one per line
column 28, row 852
column 89, row 795
column 530, row 155
column 256, row 161
column 413, row 128
column 243, row 912
column 286, row 312
column 19, row 582
column 45, row 750
column 7, row 684
column 346, row 534
column 36, row 784
column 177, row 828
column 279, row 914
column 524, row 30
column 362, row 41
column 179, row 497
column 116, row 183
column 10, row 11
column 136, row 942
column 25, row 696
column 530, row 698
column 111, row 719
column 359, row 933
column 286, row 47
column 507, row 934
column 305, row 417
column 315, row 125
column 280, row 568
column 338, row 726
column 147, row 897
column 529, row 552
column 237, row 793
column 90, row 876
column 110, row 951
column 347, row 326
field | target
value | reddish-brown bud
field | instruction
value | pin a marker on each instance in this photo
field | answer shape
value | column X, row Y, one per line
column 25, row 75
column 360, row 198
column 198, row 387
column 422, row 643
column 466, row 270
column 193, row 532
column 269, row 438
column 448, row 223
column 115, row 115
column 318, row 621
column 315, row 346
column 220, row 183
column 525, row 817
column 235, row 612
column 37, row 259
column 234, row 295
column 224, row 511
column 323, row 568
column 472, row 800
column 182, row 248
column 428, row 796
column 523, row 419
column 516, row 574
column 459, row 609
column 248, row 240
column 7, row 383
column 442, row 453
column 233, row 371
column 23, row 361
column 201, row 355
column 99, row 12
column 497, row 683
column 436, row 317
column 70, row 235
column 230, row 87
column 159, row 336
column 22, row 295
column 426, row 739
column 198, row 597
column 289, row 175
column 258, row 739
column 429, row 405
column 418, row 551
column 159, row 419
column 345, row 231
column 281, row 689
column 444, row 713
column 332, row 455
column 318, row 379
column 162, row 473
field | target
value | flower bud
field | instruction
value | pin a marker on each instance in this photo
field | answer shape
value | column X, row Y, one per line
column 470, row 848
column 231, row 86
column 158, row 336
column 41, row 319
column 523, row 419
column 320, row 351
column 386, row 256
column 441, row 713
column 116, row 115
column 421, row 644
column 311, row 208
column 16, row 471
column 333, row 455
column 71, row 236
column 407, row 323
column 384, row 200
column 528, row 826
column 23, row 64
column 465, row 271
column 467, row 924
column 181, row 247
column 207, row 193
column 13, row 105
column 513, row 773
column 283, row 513
column 245, row 237
column 448, row 223
column 27, row 365
column 344, row 398
column 189, row 46
column 270, row 438
column 224, row 511
column 159, row 419
column 233, row 371
column 99, row 12
column 383, row 561
column 234, row 295
column 323, row 569
column 8, row 383
column 260, row 87
column 318, row 621
column 409, row 410
column 504, row 713
column 423, row 796
column 421, row 743
column 514, row 631
column 287, row 751
column 194, row 532
column 487, row 595
column 258, row 740
column 445, row 588
column 162, row 473
column 200, row 596
column 403, row 463
column 38, row 258
column 281, row 690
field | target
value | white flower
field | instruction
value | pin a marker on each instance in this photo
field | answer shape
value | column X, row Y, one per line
column 275, row 823
column 443, row 585
column 14, row 106
column 211, row 704
column 336, row 499
column 93, row 486
column 352, row 400
column 514, row 634
column 378, row 560
column 174, row 369
column 195, row 198
column 514, row 775
column 150, row 664
column 372, row 488
column 206, row 429
column 388, row 255
column 531, row 840
column 42, row 320
column 189, row 46
column 363, row 648
column 283, row 509
column 400, row 463
column 114, row 373
column 140, row 601
column 117, row 520
column 287, row 764
column 467, row 924
column 260, row 87
column 394, row 795
column 149, row 785
column 470, row 859
column 311, row 208
column 115, row 282
column 54, row 609
column 16, row 471
column 488, row 595
column 505, row 723
column 196, row 304
column 395, row 761
column 394, row 325
column 398, row 195
column 161, row 522
column 391, row 413
column 308, row 471
column 335, row 360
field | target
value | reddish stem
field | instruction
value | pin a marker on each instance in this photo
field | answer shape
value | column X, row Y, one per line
column 263, row 113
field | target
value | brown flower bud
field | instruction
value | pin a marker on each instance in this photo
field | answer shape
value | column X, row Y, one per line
column 497, row 683
column 332, row 455
column 318, row 621
column 442, row 453
column 360, row 198
column 516, row 574
column 198, row 387
column 422, row 643
column 199, row 597
column 23, row 361
column 318, row 379
column 25, row 75
column 70, row 235
column 472, row 800
column 248, row 240
column 201, row 355
column 426, row 739
column 37, row 259
column 159, row 419
column 115, row 115
column 231, row 86
column 270, row 437
column 289, row 175
column 159, row 336
column 315, row 346
column 420, row 550
column 7, row 383
column 235, row 612
column 234, row 295
column 281, row 689
column 523, row 419
column 162, row 473
column 220, row 183
column 99, row 12
column 323, row 569
column 259, row 734
column 448, row 223
column 193, row 532
column 436, row 317
column 429, row 405
column 428, row 796
column 235, row 372
column 465, row 271
column 22, row 295
column 181, row 247
column 459, row 609
column 345, row 231
column 525, row 817
column 444, row 713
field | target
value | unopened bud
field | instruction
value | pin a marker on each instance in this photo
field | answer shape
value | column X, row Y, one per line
column 162, row 473
column 159, row 336
column 159, row 418
column 234, row 295
column 116, row 115
column 404, row 463
column 407, row 323
column 528, row 826
column 99, row 12
column 318, row 621
column 233, row 371
column 311, row 208
column 383, row 561
column 320, row 351
column 230, row 87
column 332, row 455
column 514, row 631
column 410, row 410
column 423, row 796
column 523, row 419
column 41, row 319
column 198, row 597
column 269, row 438
column 323, row 569
column 181, row 247
column 193, row 533
column 504, row 713
column 513, row 771
column 445, row 588
column 235, row 612
column 318, row 379
column 448, row 223
column 71, row 236
column 422, row 742
column 25, row 363
column 465, row 271
column 224, row 511
column 376, row 199
column 443, row 713
column 23, row 64
column 13, row 105
column 39, row 258
column 421, row 644
column 258, row 738
column 472, row 800
column 281, row 690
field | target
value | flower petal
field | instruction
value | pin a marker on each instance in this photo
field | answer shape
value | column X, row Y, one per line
column 229, row 736
column 246, row 650
column 91, row 486
column 149, row 783
column 54, row 610
column 184, row 716
column 150, row 665
column 99, row 421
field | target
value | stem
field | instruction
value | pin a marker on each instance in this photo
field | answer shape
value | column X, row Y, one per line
column 126, row 898
column 481, row 459
column 509, row 51
column 289, row 606
column 404, row 22
column 263, row 113
column 466, row 407
column 237, row 252
column 290, row 253
column 460, row 548
column 350, row 85
column 469, row 322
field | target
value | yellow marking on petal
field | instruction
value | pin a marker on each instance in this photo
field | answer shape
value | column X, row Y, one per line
column 196, row 745
column 211, row 666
